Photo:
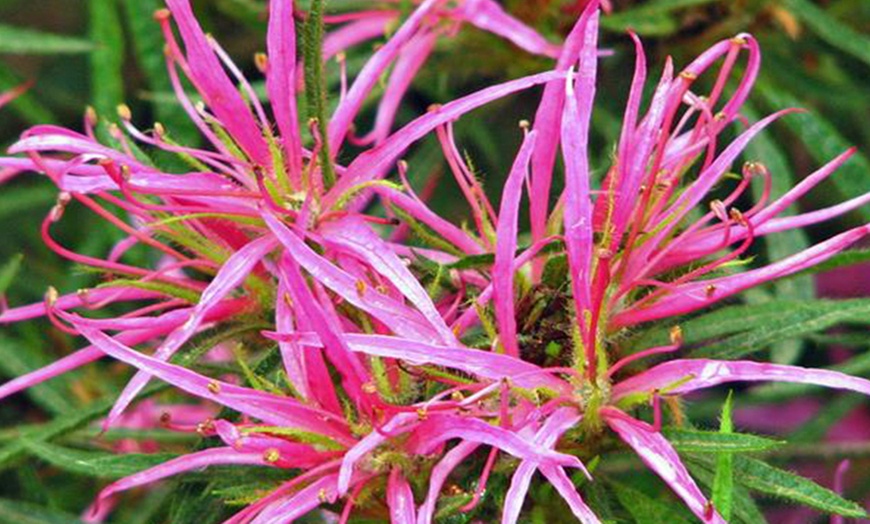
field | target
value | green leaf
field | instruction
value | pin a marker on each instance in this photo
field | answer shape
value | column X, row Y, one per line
column 744, row 507
column 831, row 30
column 20, row 41
column 723, row 481
column 95, row 463
column 697, row 441
column 8, row 271
column 19, row 512
column 643, row 508
column 107, row 60
column 763, row 149
column 16, row 360
column 795, row 320
column 764, row 478
column 26, row 105
column 650, row 19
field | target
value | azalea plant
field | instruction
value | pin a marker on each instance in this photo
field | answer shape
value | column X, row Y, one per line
column 287, row 326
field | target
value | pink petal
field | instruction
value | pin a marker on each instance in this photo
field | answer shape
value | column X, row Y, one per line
column 397, row 425
column 400, row 499
column 372, row 164
column 451, row 460
column 321, row 491
column 281, row 81
column 703, row 373
column 216, row 88
column 188, row 462
column 271, row 409
column 658, row 454
column 371, row 72
column 490, row 16
column 234, row 271
column 563, row 484
column 506, row 246
column 355, row 236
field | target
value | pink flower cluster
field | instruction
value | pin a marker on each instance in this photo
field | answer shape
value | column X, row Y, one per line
column 381, row 381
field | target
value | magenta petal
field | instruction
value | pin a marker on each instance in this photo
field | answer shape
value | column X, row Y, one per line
column 353, row 235
column 188, row 462
column 269, row 408
column 698, row 374
column 451, row 460
column 556, row 425
column 371, row 72
column 234, row 271
column 373, row 163
column 216, row 88
column 506, row 246
column 399, row 424
column 696, row 295
column 399, row 318
column 288, row 509
column 563, row 484
column 658, row 454
column 281, row 81
column 440, row 428
column 400, row 498
column 483, row 364
column 490, row 16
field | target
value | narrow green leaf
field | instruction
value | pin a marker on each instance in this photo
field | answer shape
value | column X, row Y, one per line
column 763, row 149
column 764, row 478
column 643, row 508
column 723, row 481
column 8, row 271
column 744, row 508
column 20, row 512
column 697, row 441
column 650, row 19
column 17, row 40
column 831, row 30
column 107, row 60
column 15, row 360
column 26, row 105
column 797, row 320
column 97, row 464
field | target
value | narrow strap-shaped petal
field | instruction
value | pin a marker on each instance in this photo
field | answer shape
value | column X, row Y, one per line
column 358, row 238
column 451, row 460
column 399, row 424
column 400, row 499
column 696, row 295
column 353, row 374
column 281, row 81
column 216, row 88
column 290, row 508
column 75, row 300
column 400, row 318
column 372, row 164
column 682, row 376
column 234, row 271
column 548, row 122
column 267, row 407
column 506, row 246
column 410, row 61
column 658, row 454
column 438, row 429
column 482, row 364
column 565, row 486
column 191, row 461
column 371, row 72
column 554, row 427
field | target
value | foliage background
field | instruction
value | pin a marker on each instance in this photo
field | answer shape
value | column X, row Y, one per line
column 104, row 52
